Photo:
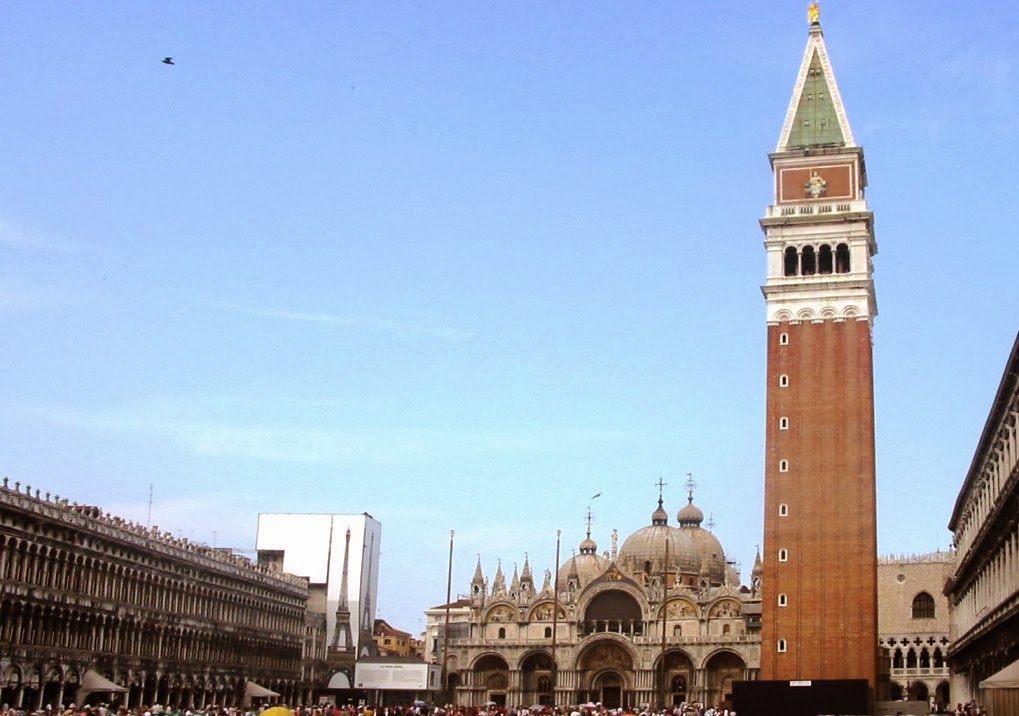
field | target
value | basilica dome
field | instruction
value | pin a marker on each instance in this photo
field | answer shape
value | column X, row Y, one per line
column 584, row 567
column 711, row 556
column 644, row 552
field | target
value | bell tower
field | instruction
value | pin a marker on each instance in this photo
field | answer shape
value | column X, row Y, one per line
column 819, row 577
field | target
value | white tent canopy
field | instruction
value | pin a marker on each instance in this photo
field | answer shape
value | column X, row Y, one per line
column 1007, row 678
column 93, row 681
column 255, row 690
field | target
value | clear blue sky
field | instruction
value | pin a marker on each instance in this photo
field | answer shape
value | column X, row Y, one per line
column 464, row 265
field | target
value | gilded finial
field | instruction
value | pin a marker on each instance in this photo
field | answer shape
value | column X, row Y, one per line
column 814, row 13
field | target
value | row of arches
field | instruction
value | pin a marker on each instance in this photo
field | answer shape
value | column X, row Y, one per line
column 68, row 628
column 618, row 611
column 937, row 693
column 822, row 260
column 36, row 685
column 923, row 657
column 607, row 672
column 28, row 562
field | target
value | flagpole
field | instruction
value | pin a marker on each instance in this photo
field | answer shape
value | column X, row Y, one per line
column 445, row 632
column 555, row 616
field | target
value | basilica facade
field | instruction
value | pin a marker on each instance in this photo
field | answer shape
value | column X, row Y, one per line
column 661, row 619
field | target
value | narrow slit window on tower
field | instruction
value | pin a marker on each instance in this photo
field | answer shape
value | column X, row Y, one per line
column 783, row 599
column 841, row 259
column 792, row 261
column 783, row 339
column 808, row 261
column 783, row 381
column 783, row 423
column 783, row 466
column 781, row 646
column 824, row 260
column 783, row 510
column 783, row 555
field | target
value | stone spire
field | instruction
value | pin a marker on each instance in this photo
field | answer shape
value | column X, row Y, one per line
column 499, row 583
column 816, row 116
column 526, row 580
column 478, row 584
column 757, row 573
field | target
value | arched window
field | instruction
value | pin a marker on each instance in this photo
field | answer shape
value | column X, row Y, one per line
column 897, row 659
column 677, row 630
column 911, row 658
column 548, row 632
column 791, row 261
column 809, row 261
column 923, row 606
column 824, row 259
column 841, row 259
column 502, row 632
column 726, row 628
column 781, row 646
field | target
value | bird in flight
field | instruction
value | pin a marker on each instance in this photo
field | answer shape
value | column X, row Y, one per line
column 167, row 60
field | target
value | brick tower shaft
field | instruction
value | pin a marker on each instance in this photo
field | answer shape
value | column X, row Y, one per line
column 819, row 579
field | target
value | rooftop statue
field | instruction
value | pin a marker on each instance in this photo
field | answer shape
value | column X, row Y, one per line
column 814, row 13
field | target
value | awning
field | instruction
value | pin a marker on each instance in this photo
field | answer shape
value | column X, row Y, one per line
column 1007, row 678
column 255, row 690
column 93, row 681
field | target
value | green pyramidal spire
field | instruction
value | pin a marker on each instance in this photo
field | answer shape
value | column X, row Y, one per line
column 816, row 116
column 816, row 123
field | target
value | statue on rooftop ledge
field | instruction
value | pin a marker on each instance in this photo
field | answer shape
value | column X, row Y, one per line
column 814, row 13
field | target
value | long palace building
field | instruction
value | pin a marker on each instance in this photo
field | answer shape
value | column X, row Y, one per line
column 95, row 607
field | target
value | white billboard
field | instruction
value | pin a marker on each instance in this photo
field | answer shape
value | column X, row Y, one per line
column 397, row 676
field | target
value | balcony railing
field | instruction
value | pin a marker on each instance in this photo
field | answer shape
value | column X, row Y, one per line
column 815, row 208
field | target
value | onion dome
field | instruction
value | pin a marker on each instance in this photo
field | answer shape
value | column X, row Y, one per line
column 711, row 556
column 644, row 551
column 584, row 567
column 690, row 515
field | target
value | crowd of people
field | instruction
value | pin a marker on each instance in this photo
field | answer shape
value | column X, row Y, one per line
column 418, row 708
column 591, row 709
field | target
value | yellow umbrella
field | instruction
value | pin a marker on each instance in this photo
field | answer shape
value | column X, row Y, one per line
column 278, row 711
